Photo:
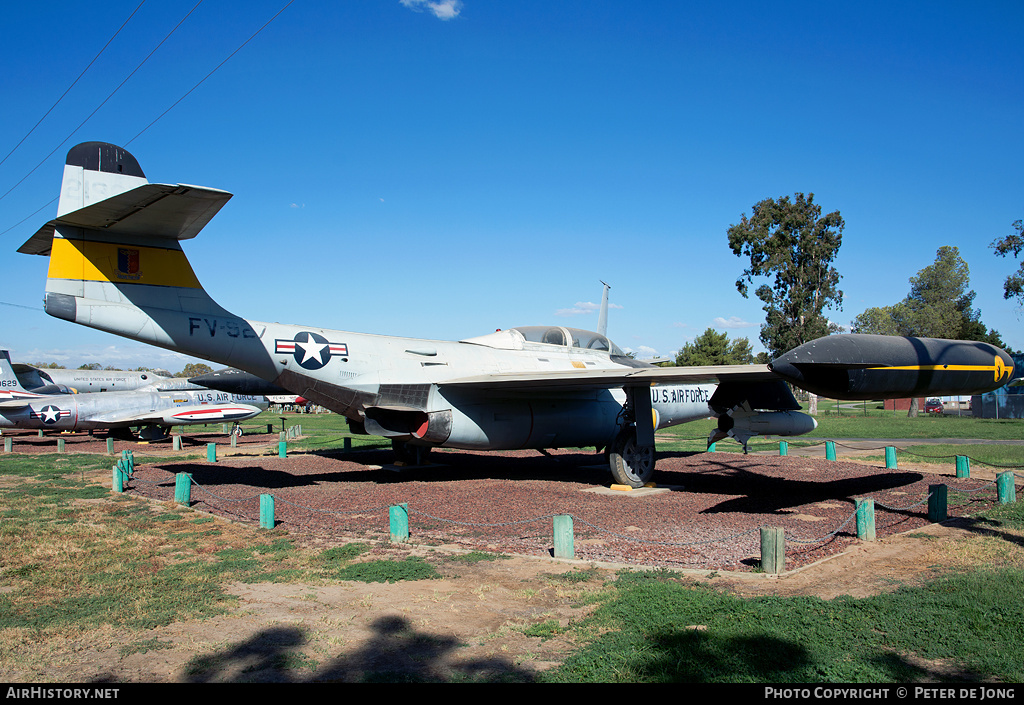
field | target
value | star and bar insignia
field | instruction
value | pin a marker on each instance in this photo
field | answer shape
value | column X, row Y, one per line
column 50, row 414
column 311, row 350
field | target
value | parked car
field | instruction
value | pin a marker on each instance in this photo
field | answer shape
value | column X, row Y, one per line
column 933, row 406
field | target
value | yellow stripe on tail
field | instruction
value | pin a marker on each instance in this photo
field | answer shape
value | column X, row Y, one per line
column 84, row 260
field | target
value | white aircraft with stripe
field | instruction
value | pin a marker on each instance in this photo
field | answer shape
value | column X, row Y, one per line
column 117, row 264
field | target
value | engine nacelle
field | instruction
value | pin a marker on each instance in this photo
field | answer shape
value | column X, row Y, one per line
column 504, row 424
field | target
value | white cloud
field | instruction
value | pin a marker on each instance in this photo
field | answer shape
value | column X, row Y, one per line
column 441, row 9
column 121, row 357
column 583, row 307
column 732, row 322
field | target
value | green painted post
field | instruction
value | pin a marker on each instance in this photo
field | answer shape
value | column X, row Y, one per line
column 40, row 433
column 1006, row 487
column 282, row 449
column 118, row 480
column 773, row 549
column 398, row 515
column 830, row 450
column 266, row 511
column 890, row 458
column 270, row 428
column 866, row 519
column 783, row 448
column 963, row 466
column 176, row 442
column 282, row 436
column 60, row 445
column 183, row 488
column 8, row 444
column 211, row 452
column 563, row 537
column 711, row 448
column 234, row 441
column 937, row 503
column 348, row 445
column 110, row 446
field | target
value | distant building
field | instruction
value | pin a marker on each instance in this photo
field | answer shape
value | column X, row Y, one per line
column 903, row 404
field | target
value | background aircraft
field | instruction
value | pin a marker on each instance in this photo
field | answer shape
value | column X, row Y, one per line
column 116, row 264
column 150, row 410
column 82, row 381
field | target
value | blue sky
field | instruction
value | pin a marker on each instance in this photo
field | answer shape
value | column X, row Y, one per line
column 439, row 170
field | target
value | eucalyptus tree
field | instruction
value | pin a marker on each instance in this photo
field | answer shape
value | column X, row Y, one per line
column 791, row 244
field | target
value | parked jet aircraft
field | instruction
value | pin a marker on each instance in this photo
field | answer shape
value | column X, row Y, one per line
column 81, row 381
column 116, row 264
column 149, row 409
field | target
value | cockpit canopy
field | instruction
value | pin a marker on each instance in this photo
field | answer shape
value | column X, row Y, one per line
column 518, row 338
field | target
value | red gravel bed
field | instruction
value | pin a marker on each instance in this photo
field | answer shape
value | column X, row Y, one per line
column 708, row 518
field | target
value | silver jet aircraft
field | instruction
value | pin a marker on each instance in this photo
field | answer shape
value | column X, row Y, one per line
column 116, row 264
column 82, row 381
column 151, row 410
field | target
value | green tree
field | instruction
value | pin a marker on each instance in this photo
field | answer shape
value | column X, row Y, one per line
column 1013, row 287
column 714, row 348
column 91, row 366
column 194, row 369
column 791, row 243
column 940, row 305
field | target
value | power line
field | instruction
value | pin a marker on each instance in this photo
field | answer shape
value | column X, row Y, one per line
column 193, row 88
column 201, row 81
column 29, row 216
column 134, row 71
column 73, row 83
column 30, row 308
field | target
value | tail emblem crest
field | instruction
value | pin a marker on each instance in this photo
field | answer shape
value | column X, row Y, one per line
column 128, row 263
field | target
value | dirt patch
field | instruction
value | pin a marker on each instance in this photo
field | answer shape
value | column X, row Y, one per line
column 468, row 625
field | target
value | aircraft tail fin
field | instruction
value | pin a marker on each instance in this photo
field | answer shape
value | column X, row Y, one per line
column 9, row 381
column 116, row 262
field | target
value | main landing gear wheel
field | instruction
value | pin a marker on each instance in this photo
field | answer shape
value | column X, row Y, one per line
column 631, row 464
column 409, row 454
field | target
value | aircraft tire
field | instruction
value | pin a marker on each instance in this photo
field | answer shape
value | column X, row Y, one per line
column 631, row 464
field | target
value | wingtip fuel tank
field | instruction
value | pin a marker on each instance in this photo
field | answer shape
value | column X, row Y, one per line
column 862, row 366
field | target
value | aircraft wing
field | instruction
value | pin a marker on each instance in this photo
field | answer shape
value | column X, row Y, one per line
column 181, row 415
column 851, row 367
column 566, row 380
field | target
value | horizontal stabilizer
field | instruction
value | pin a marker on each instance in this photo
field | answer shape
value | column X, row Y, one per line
column 171, row 211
